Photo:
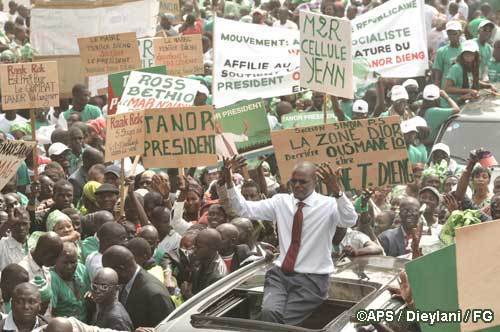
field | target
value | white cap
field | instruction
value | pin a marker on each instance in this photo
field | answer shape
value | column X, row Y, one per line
column 442, row 147
column 398, row 92
column 410, row 82
column 469, row 46
column 360, row 106
column 419, row 121
column 453, row 25
column 486, row 22
column 202, row 88
column 408, row 126
column 431, row 92
column 57, row 149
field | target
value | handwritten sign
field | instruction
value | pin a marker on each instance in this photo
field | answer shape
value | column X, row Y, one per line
column 109, row 53
column 29, row 85
column 372, row 152
column 12, row 153
column 148, row 90
column 325, row 54
column 146, row 52
column 124, row 135
column 171, row 7
column 179, row 137
column 181, row 55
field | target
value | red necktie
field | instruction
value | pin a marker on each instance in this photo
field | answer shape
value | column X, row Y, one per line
column 293, row 249
column 228, row 146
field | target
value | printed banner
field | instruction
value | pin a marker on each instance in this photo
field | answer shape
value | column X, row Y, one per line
column 254, row 61
column 241, row 127
column 29, row 85
column 12, row 153
column 179, row 137
column 124, row 135
column 392, row 38
column 371, row 152
column 109, row 53
column 306, row 119
column 50, row 36
column 325, row 54
column 146, row 52
column 147, row 90
column 118, row 81
column 181, row 55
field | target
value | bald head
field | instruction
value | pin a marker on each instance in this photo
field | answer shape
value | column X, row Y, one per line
column 245, row 229
column 48, row 248
column 91, row 157
column 106, row 276
column 303, row 180
column 121, row 260
column 26, row 288
column 228, row 231
column 111, row 233
column 59, row 324
column 305, row 166
column 150, row 234
column 141, row 250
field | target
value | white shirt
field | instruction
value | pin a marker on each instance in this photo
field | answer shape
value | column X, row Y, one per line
column 35, row 270
column 6, row 124
column 170, row 242
column 177, row 222
column 11, row 251
column 288, row 25
column 429, row 13
column 231, row 139
column 93, row 263
column 322, row 215
column 353, row 238
column 10, row 325
column 129, row 284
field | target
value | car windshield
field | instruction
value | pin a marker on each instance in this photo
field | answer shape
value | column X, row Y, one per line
column 464, row 136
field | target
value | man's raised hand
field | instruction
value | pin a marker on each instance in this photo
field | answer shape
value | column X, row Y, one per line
column 331, row 178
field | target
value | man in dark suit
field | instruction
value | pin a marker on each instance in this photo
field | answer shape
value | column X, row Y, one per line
column 397, row 241
column 145, row 298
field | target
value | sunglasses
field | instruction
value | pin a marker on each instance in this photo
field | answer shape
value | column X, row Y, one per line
column 101, row 287
column 297, row 181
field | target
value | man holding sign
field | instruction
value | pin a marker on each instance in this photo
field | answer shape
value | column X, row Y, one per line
column 299, row 280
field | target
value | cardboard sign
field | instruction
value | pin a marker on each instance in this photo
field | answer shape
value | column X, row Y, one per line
column 478, row 270
column 69, row 70
column 241, row 127
column 109, row 53
column 59, row 36
column 371, row 152
column 181, row 55
column 325, row 54
column 147, row 91
column 124, row 135
column 29, row 85
column 12, row 153
column 179, row 137
column 171, row 7
column 146, row 51
column 118, row 81
column 306, row 119
column 392, row 38
column 254, row 61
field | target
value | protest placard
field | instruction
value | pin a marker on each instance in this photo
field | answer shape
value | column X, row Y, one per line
column 241, row 127
column 59, row 36
column 124, row 135
column 146, row 52
column 29, row 85
column 179, row 137
column 109, row 53
column 254, row 61
column 118, row 81
column 371, row 152
column 325, row 54
column 306, row 119
column 181, row 55
column 171, row 7
column 69, row 70
column 12, row 153
column 392, row 38
column 147, row 90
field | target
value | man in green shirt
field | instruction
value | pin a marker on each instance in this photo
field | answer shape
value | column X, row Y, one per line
column 485, row 49
column 81, row 97
column 494, row 64
column 416, row 153
column 473, row 26
column 446, row 55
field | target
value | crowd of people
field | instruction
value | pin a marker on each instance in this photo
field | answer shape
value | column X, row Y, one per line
column 88, row 246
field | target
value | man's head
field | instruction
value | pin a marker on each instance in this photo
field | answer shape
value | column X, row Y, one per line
column 317, row 100
column 229, row 235
column 91, row 157
column 399, row 98
column 431, row 180
column 152, row 200
column 122, row 261
column 46, row 187
column 207, row 244
column 111, row 234
column 48, row 248
column 383, row 221
column 141, row 250
column 105, row 286
column 495, row 207
column 359, row 109
column 11, row 202
column 12, row 275
column 282, row 108
column 409, row 212
column 303, row 180
column 107, row 196
column 94, row 221
column 150, row 234
column 454, row 30
column 453, row 8
column 20, row 228
column 59, row 324
column 67, row 261
column 430, row 197
column 63, row 194
column 440, row 152
column 216, row 215
column 486, row 29
column 59, row 153
column 81, row 96
column 245, row 230
column 283, row 14
column 26, row 304
column 411, row 87
column 112, row 175
column 250, row 191
column 160, row 218
column 76, row 140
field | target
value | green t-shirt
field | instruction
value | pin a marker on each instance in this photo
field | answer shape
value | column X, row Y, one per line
column 417, row 155
column 90, row 112
column 485, row 53
column 474, row 26
column 445, row 58
column 435, row 117
column 346, row 107
column 456, row 75
column 89, row 245
column 494, row 71
column 23, row 176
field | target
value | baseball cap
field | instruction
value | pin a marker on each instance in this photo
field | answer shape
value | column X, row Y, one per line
column 419, row 121
column 441, row 147
column 107, row 188
column 432, row 190
column 431, row 92
column 398, row 92
column 360, row 106
column 259, row 11
column 486, row 22
column 469, row 46
column 410, row 82
column 408, row 126
column 114, row 169
column 57, row 149
column 453, row 25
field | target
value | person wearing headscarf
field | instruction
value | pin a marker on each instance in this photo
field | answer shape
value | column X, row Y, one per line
column 88, row 203
column 8, row 56
column 96, row 133
column 20, row 129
